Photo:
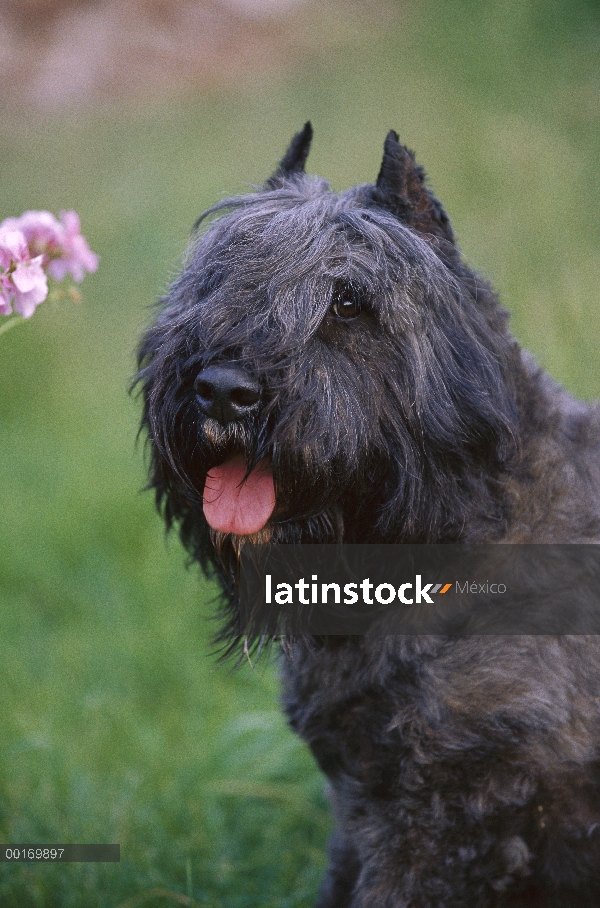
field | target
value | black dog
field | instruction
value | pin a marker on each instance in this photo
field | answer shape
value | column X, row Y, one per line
column 327, row 369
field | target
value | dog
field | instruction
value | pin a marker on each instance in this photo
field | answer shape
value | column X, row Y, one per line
column 328, row 369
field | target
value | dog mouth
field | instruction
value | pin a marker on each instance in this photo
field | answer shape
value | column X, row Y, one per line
column 238, row 502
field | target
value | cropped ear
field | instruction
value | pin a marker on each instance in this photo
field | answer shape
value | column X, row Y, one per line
column 401, row 189
column 294, row 159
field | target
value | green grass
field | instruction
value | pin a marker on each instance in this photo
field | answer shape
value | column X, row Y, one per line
column 117, row 723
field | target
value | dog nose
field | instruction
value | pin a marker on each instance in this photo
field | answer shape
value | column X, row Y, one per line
column 226, row 393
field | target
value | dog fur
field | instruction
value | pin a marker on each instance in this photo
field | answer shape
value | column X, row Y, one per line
column 378, row 381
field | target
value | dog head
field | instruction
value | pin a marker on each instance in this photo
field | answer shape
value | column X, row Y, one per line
column 326, row 367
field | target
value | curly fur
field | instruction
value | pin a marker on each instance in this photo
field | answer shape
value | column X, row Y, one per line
column 462, row 771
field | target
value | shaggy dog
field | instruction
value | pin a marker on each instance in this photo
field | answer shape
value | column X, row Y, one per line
column 327, row 369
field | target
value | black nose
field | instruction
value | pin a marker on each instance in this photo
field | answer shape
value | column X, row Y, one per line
column 226, row 393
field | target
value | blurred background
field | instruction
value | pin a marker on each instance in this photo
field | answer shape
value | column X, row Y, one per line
column 117, row 723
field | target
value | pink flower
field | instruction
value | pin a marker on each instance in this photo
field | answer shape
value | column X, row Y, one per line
column 41, row 230
column 36, row 243
column 64, row 249
column 22, row 278
column 76, row 256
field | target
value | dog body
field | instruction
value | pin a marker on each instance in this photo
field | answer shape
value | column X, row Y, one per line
column 327, row 369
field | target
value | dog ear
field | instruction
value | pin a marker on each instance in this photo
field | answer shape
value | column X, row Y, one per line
column 294, row 159
column 400, row 188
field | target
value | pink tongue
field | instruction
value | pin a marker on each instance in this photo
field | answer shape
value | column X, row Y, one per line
column 234, row 506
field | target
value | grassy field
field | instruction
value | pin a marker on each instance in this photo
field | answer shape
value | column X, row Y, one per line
column 117, row 723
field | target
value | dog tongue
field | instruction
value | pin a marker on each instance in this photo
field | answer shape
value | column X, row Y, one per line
column 234, row 506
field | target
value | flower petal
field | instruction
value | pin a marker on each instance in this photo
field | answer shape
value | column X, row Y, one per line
column 29, row 275
column 26, row 303
column 5, row 300
column 13, row 242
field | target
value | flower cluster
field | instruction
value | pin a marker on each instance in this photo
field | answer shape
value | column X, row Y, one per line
column 36, row 245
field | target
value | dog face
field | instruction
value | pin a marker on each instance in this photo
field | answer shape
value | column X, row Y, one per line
column 326, row 368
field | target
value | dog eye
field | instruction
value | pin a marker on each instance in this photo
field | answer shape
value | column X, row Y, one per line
column 345, row 301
